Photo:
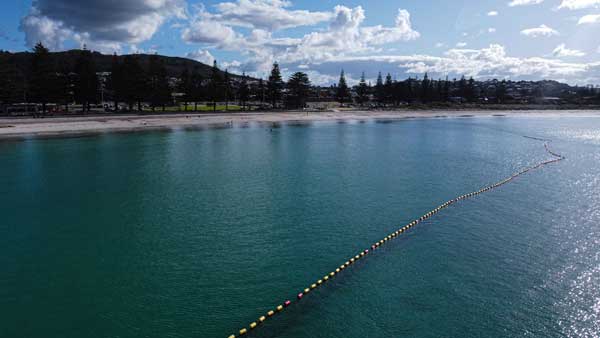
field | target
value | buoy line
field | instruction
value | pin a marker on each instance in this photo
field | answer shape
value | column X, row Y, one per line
column 280, row 308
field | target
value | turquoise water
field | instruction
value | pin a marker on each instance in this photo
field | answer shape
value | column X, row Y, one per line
column 196, row 233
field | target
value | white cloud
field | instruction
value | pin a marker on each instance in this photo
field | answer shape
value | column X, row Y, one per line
column 542, row 30
column 587, row 19
column 201, row 55
column 492, row 13
column 345, row 34
column 209, row 32
column 579, row 4
column 562, row 51
column 491, row 62
column 514, row 3
column 402, row 31
column 38, row 28
column 491, row 30
column 347, row 43
column 266, row 14
column 461, row 44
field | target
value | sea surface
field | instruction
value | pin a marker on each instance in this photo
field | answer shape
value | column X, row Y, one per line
column 197, row 233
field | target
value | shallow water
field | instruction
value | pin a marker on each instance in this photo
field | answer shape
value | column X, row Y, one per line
column 198, row 233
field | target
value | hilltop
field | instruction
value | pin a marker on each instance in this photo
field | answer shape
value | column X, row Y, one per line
column 174, row 65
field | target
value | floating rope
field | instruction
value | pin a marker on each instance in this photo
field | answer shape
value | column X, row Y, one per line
column 556, row 158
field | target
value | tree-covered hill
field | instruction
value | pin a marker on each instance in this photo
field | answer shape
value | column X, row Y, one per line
column 67, row 59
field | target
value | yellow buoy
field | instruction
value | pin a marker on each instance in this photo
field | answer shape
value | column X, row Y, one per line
column 326, row 278
column 262, row 319
column 319, row 282
column 332, row 274
column 253, row 325
column 243, row 332
column 232, row 336
column 313, row 286
column 307, row 290
column 270, row 313
column 280, row 308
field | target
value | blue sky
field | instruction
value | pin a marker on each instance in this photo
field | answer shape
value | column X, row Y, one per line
column 512, row 39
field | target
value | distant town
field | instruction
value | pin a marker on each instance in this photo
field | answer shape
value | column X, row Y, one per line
column 41, row 83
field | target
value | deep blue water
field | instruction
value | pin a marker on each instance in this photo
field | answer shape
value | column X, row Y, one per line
column 196, row 233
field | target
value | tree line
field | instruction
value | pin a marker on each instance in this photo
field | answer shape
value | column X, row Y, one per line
column 131, row 86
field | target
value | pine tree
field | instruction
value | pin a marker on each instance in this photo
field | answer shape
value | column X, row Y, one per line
column 275, row 85
column 501, row 91
column 64, row 86
column 86, row 83
column 446, row 92
column 410, row 91
column 343, row 92
column 388, row 88
column 462, row 87
column 425, row 92
column 12, row 85
column 379, row 90
column 160, row 92
column 299, row 89
column 260, row 93
column 135, row 84
column 42, row 76
column 185, row 87
column 243, row 91
column 216, row 82
column 362, row 90
column 471, row 95
column 439, row 91
column 198, row 90
column 115, row 81
column 226, row 89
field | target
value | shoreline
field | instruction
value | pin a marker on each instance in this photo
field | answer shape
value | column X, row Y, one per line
column 23, row 128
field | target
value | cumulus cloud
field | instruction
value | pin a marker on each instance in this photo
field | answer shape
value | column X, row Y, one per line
column 40, row 28
column 562, row 51
column 346, row 42
column 491, row 30
column 210, row 32
column 492, row 13
column 99, row 22
column 486, row 63
column 201, row 55
column 587, row 19
column 266, row 14
column 461, row 44
column 515, row 3
column 578, row 4
column 344, row 35
column 542, row 30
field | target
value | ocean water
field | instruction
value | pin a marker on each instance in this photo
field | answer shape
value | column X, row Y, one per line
column 197, row 233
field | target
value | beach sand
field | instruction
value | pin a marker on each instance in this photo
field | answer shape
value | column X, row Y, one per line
column 18, row 128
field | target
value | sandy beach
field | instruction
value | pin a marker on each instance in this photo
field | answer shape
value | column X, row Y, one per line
column 18, row 128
